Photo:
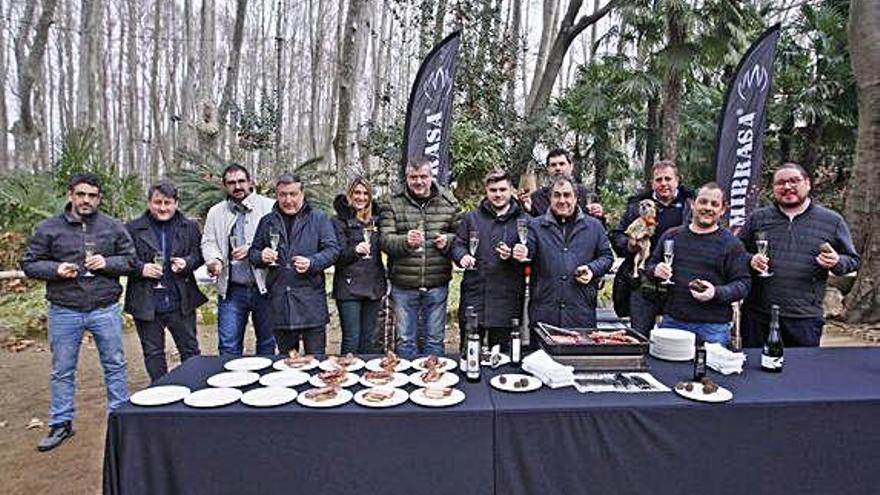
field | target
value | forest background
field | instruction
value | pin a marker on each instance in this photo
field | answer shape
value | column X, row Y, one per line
column 139, row 90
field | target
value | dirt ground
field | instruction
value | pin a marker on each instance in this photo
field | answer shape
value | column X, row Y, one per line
column 76, row 466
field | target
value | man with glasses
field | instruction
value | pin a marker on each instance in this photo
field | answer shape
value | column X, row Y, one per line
column 804, row 242
column 81, row 254
column 229, row 231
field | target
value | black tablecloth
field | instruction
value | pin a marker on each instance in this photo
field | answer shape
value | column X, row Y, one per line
column 815, row 428
column 292, row 449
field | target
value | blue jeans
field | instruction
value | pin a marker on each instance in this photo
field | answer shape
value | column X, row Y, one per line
column 66, row 329
column 408, row 303
column 711, row 332
column 232, row 316
column 358, row 320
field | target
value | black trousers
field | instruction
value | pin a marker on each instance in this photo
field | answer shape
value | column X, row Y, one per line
column 152, row 335
column 492, row 335
column 796, row 332
column 314, row 340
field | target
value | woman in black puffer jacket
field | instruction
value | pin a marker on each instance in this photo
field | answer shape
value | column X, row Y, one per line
column 359, row 280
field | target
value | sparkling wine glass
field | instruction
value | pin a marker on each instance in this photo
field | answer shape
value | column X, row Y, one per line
column 159, row 260
column 274, row 239
column 89, row 249
column 368, row 230
column 668, row 256
column 234, row 243
column 473, row 244
column 763, row 248
column 421, row 228
column 522, row 232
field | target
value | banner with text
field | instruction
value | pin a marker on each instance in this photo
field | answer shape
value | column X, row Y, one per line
column 739, row 144
column 429, row 111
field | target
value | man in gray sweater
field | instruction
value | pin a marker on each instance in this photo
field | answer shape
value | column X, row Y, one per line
column 804, row 242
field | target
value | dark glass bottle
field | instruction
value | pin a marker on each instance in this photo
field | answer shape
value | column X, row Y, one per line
column 699, row 358
column 515, row 343
column 771, row 356
column 473, row 346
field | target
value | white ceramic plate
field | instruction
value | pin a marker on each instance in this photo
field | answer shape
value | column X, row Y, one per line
column 511, row 378
column 160, row 395
column 419, row 398
column 233, row 379
column 447, row 379
column 504, row 360
column 671, row 356
column 720, row 395
column 253, row 363
column 446, row 363
column 280, row 365
column 373, row 364
column 268, row 396
column 286, row 378
column 213, row 397
column 350, row 379
column 341, row 398
column 397, row 380
column 399, row 397
column 330, row 364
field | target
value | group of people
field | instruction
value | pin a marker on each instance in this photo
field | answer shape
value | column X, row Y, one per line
column 268, row 258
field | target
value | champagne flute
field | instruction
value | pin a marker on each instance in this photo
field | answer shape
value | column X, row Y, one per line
column 763, row 247
column 89, row 249
column 522, row 231
column 159, row 259
column 473, row 244
column 668, row 256
column 274, row 239
column 234, row 243
column 368, row 229
column 421, row 228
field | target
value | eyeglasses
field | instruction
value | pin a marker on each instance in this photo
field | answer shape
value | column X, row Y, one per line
column 794, row 182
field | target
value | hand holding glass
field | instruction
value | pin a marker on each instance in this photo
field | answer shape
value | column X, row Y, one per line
column 368, row 229
column 89, row 248
column 473, row 244
column 668, row 256
column 274, row 238
column 421, row 228
column 763, row 247
column 522, row 232
column 158, row 259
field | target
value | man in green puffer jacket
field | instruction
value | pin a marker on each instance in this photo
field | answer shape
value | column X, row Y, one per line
column 417, row 228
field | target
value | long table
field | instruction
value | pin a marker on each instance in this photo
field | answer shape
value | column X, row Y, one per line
column 815, row 428
column 291, row 449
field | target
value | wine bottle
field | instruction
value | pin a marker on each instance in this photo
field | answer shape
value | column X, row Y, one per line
column 699, row 358
column 473, row 347
column 771, row 356
column 515, row 343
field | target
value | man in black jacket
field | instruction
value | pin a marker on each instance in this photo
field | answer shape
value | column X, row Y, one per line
column 673, row 206
column 559, row 164
column 162, row 291
column 493, row 282
column 805, row 241
column 305, row 245
column 81, row 254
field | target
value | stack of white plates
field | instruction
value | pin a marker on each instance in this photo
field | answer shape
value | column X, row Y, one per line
column 672, row 344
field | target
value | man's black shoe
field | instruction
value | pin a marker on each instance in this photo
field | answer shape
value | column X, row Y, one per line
column 57, row 434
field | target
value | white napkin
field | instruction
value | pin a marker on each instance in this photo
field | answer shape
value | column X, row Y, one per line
column 723, row 360
column 551, row 373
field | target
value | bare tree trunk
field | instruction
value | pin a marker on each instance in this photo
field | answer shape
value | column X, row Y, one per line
column 543, row 85
column 4, row 119
column 514, row 42
column 673, row 86
column 24, row 130
column 156, row 148
column 426, row 13
column 863, row 301
column 207, row 125
column 133, row 128
column 234, row 58
column 345, row 76
column 87, row 102
column 439, row 20
column 281, row 16
column 188, row 78
column 171, row 107
column 317, row 51
column 548, row 32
